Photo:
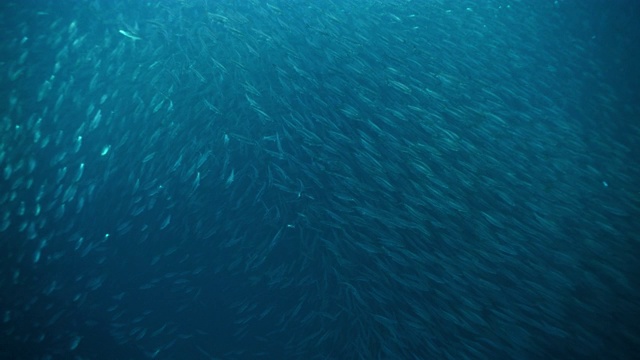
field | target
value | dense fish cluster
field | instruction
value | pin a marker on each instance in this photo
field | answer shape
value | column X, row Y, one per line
column 313, row 180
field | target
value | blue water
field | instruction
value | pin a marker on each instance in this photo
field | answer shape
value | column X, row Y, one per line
column 319, row 180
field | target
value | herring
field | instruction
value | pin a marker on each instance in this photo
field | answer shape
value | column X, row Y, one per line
column 129, row 35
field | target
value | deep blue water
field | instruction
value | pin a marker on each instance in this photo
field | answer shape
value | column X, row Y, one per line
column 319, row 180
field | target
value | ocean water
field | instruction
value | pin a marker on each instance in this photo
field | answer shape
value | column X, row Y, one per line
column 353, row 179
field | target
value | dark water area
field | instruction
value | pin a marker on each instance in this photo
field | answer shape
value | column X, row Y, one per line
column 319, row 180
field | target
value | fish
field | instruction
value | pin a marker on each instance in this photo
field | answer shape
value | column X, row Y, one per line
column 129, row 35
